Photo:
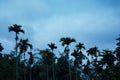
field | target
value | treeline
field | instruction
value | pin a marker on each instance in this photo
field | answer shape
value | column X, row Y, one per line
column 27, row 63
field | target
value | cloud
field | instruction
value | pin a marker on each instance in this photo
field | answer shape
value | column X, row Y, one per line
column 95, row 28
column 7, row 44
column 91, row 22
column 22, row 10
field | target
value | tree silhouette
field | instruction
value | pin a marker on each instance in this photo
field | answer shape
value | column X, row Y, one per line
column 93, row 52
column 47, row 57
column 1, row 48
column 7, row 67
column 30, row 62
column 76, row 62
column 66, row 41
column 117, row 50
column 108, row 57
column 52, row 47
column 23, row 46
column 78, row 55
column 80, row 46
column 94, row 55
column 17, row 29
column 107, row 61
column 96, row 65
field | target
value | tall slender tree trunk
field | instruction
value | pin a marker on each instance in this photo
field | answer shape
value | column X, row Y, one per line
column 95, row 65
column 16, row 58
column 69, row 70
column 67, row 55
column 30, row 73
column 69, row 63
column 53, row 72
column 24, row 69
column 53, row 69
column 76, row 73
column 47, row 72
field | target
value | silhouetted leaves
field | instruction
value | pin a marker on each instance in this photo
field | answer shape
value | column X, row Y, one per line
column 1, row 48
column 23, row 45
column 91, row 64
column 67, row 40
column 16, row 28
column 52, row 46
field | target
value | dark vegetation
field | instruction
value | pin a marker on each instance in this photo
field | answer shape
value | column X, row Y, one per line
column 86, row 64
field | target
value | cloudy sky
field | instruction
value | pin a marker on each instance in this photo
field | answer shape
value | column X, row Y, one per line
column 92, row 22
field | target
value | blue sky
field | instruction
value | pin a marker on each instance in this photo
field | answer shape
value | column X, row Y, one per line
column 92, row 22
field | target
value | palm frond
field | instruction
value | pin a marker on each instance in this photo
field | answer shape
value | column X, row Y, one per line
column 21, row 30
column 30, row 45
column 80, row 46
column 67, row 40
column 52, row 46
column 11, row 29
column 16, row 28
column 75, row 53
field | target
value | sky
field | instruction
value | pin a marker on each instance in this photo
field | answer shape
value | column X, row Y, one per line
column 92, row 22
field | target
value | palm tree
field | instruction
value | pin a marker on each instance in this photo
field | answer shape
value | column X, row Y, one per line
column 52, row 47
column 94, row 54
column 77, row 53
column 66, row 41
column 108, row 57
column 31, row 60
column 47, row 57
column 23, row 46
column 79, row 48
column 17, row 29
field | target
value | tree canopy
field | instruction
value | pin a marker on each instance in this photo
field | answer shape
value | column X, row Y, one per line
column 45, row 64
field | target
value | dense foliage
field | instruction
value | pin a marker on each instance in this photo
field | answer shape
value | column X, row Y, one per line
column 79, row 64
